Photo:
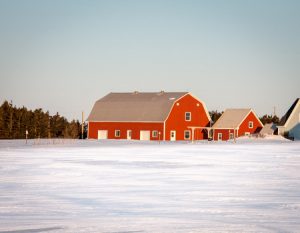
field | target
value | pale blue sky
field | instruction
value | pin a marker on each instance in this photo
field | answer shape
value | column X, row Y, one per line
column 64, row 55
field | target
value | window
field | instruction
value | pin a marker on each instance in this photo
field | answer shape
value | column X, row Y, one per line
column 247, row 134
column 188, row 116
column 220, row 136
column 117, row 133
column 154, row 134
column 187, row 135
column 231, row 136
column 250, row 124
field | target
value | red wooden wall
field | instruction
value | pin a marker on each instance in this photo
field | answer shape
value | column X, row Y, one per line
column 176, row 120
column 136, row 127
column 244, row 127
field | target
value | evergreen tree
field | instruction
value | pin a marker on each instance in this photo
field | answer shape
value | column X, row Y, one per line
column 215, row 115
column 266, row 119
column 15, row 121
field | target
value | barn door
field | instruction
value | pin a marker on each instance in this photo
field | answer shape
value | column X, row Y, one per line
column 102, row 134
column 144, row 135
column 129, row 134
column 173, row 135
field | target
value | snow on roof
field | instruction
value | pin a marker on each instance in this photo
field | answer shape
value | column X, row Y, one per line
column 231, row 118
column 268, row 129
column 134, row 106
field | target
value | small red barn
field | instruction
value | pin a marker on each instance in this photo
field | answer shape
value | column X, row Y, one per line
column 148, row 116
column 235, row 123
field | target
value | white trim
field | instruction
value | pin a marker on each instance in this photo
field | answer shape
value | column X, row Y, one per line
column 286, row 123
column 188, row 93
column 252, row 124
column 127, row 131
column 203, row 104
column 174, row 105
column 224, row 128
column 164, row 133
column 154, row 131
column 189, row 116
column 189, row 135
column 116, row 133
column 171, row 135
column 88, row 134
column 251, row 110
column 238, row 126
column 218, row 138
column 218, row 120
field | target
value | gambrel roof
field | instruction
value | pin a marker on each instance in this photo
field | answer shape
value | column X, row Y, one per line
column 134, row 107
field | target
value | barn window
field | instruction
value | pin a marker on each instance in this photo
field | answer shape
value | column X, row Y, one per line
column 188, row 116
column 117, row 133
column 220, row 136
column 154, row 134
column 231, row 136
column 187, row 135
column 250, row 124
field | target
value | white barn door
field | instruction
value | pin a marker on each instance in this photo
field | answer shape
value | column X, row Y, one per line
column 173, row 135
column 102, row 134
column 144, row 135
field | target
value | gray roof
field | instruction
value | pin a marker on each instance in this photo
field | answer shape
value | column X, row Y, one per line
column 231, row 118
column 134, row 106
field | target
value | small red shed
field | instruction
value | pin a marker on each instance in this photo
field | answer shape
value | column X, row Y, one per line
column 148, row 116
column 235, row 123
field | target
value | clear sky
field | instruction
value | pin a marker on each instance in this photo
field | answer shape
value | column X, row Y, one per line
column 64, row 55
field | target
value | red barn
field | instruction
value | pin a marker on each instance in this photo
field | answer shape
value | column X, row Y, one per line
column 148, row 116
column 235, row 123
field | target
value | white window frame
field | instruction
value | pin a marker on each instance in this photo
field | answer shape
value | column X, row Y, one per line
column 247, row 133
column 189, row 138
column 231, row 136
column 154, row 133
column 220, row 138
column 116, row 131
column 190, row 116
column 250, row 124
column 128, row 133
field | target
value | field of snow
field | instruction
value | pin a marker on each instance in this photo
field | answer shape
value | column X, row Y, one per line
column 132, row 187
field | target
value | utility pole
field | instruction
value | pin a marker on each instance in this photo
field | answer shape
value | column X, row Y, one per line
column 26, row 135
column 82, row 125
column 274, row 114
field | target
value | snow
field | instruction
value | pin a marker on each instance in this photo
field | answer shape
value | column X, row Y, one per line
column 119, row 186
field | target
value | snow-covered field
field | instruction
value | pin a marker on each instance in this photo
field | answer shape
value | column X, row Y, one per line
column 119, row 186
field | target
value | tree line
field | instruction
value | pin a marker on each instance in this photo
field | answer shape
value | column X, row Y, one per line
column 14, row 122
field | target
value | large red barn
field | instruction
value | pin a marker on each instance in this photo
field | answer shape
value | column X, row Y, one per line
column 235, row 123
column 148, row 116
